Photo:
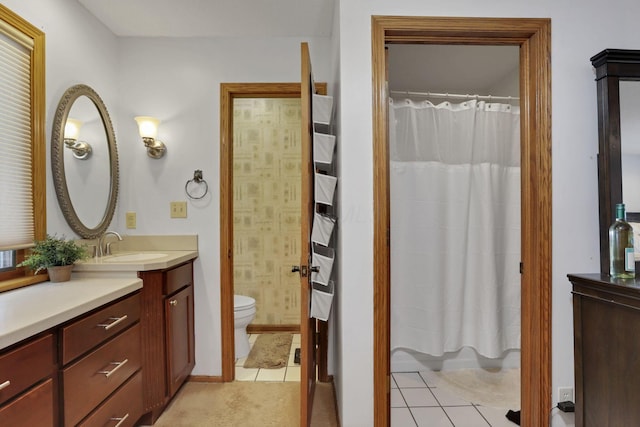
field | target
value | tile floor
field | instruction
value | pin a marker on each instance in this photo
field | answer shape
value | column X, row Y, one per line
column 416, row 400
column 291, row 372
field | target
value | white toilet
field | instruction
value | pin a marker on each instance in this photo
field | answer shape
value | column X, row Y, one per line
column 244, row 310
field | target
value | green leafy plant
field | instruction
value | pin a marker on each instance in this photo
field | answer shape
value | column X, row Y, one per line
column 53, row 251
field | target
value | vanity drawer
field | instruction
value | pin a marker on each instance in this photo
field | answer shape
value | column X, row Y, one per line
column 24, row 366
column 178, row 278
column 34, row 408
column 90, row 380
column 83, row 335
column 123, row 408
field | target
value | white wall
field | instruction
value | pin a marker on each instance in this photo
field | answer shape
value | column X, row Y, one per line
column 178, row 81
column 79, row 49
column 577, row 34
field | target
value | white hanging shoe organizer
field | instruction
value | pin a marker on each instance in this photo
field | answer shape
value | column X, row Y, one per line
column 325, row 186
column 322, row 229
column 322, row 258
column 321, row 300
column 323, row 146
column 322, row 107
column 322, row 287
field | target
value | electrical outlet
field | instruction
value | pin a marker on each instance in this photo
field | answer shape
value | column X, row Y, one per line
column 565, row 394
column 178, row 209
column 131, row 219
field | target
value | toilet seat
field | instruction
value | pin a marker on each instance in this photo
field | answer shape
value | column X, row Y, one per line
column 242, row 302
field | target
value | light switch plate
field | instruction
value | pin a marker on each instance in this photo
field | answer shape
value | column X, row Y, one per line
column 178, row 209
column 131, row 219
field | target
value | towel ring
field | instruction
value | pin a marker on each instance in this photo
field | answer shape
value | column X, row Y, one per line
column 197, row 178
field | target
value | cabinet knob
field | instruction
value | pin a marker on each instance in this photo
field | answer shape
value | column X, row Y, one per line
column 5, row 384
column 173, row 302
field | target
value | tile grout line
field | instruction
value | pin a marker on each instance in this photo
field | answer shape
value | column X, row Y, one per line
column 442, row 408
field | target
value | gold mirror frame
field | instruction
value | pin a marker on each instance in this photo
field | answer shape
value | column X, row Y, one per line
column 57, row 161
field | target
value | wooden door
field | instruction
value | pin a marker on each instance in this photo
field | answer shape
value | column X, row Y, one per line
column 307, row 324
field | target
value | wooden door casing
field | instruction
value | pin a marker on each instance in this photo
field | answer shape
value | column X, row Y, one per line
column 229, row 91
column 533, row 36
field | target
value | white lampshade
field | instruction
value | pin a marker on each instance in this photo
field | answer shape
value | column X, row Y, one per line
column 147, row 126
column 72, row 129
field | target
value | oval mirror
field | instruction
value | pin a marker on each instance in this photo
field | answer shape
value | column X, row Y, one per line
column 84, row 161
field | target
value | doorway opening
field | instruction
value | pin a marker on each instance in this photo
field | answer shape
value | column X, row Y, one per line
column 454, row 152
column 532, row 36
column 238, row 94
column 313, row 360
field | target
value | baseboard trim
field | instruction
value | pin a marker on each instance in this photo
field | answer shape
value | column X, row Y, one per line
column 262, row 329
column 205, row 379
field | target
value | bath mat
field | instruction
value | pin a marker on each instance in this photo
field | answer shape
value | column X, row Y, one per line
column 488, row 387
column 270, row 351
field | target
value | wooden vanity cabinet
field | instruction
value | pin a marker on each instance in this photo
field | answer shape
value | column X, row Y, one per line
column 27, row 383
column 180, row 338
column 606, row 318
column 101, row 358
column 167, row 335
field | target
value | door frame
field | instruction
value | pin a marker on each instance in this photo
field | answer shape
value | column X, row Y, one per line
column 533, row 36
column 228, row 92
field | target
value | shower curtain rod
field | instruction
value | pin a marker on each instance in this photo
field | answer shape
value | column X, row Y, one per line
column 455, row 96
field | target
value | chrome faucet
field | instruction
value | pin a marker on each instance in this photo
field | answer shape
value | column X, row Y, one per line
column 105, row 249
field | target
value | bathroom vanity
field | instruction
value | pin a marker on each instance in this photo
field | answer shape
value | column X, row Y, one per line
column 52, row 351
column 606, row 316
column 168, row 335
column 113, row 345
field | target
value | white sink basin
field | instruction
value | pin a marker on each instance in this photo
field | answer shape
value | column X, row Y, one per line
column 143, row 256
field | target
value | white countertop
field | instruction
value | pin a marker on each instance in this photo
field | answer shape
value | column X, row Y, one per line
column 111, row 263
column 27, row 311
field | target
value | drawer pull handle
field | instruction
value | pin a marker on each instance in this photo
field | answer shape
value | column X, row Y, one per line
column 5, row 384
column 173, row 302
column 118, row 366
column 119, row 420
column 116, row 320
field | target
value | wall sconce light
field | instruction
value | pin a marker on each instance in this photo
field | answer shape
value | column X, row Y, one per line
column 81, row 150
column 148, row 128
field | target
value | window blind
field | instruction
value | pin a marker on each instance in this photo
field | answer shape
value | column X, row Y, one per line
column 16, row 183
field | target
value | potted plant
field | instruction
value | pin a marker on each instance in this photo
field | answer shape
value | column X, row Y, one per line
column 55, row 254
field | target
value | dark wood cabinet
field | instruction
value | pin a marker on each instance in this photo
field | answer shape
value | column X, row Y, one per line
column 606, row 316
column 83, row 372
column 32, row 408
column 27, row 383
column 101, row 352
column 180, row 337
column 167, row 335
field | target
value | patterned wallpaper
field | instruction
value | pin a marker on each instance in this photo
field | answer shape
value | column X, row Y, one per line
column 266, row 206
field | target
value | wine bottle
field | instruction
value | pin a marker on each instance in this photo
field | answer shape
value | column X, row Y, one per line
column 621, row 253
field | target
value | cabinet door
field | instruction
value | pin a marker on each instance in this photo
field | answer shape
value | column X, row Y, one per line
column 180, row 337
column 34, row 408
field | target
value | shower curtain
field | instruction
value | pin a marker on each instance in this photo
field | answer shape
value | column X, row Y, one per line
column 455, row 226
